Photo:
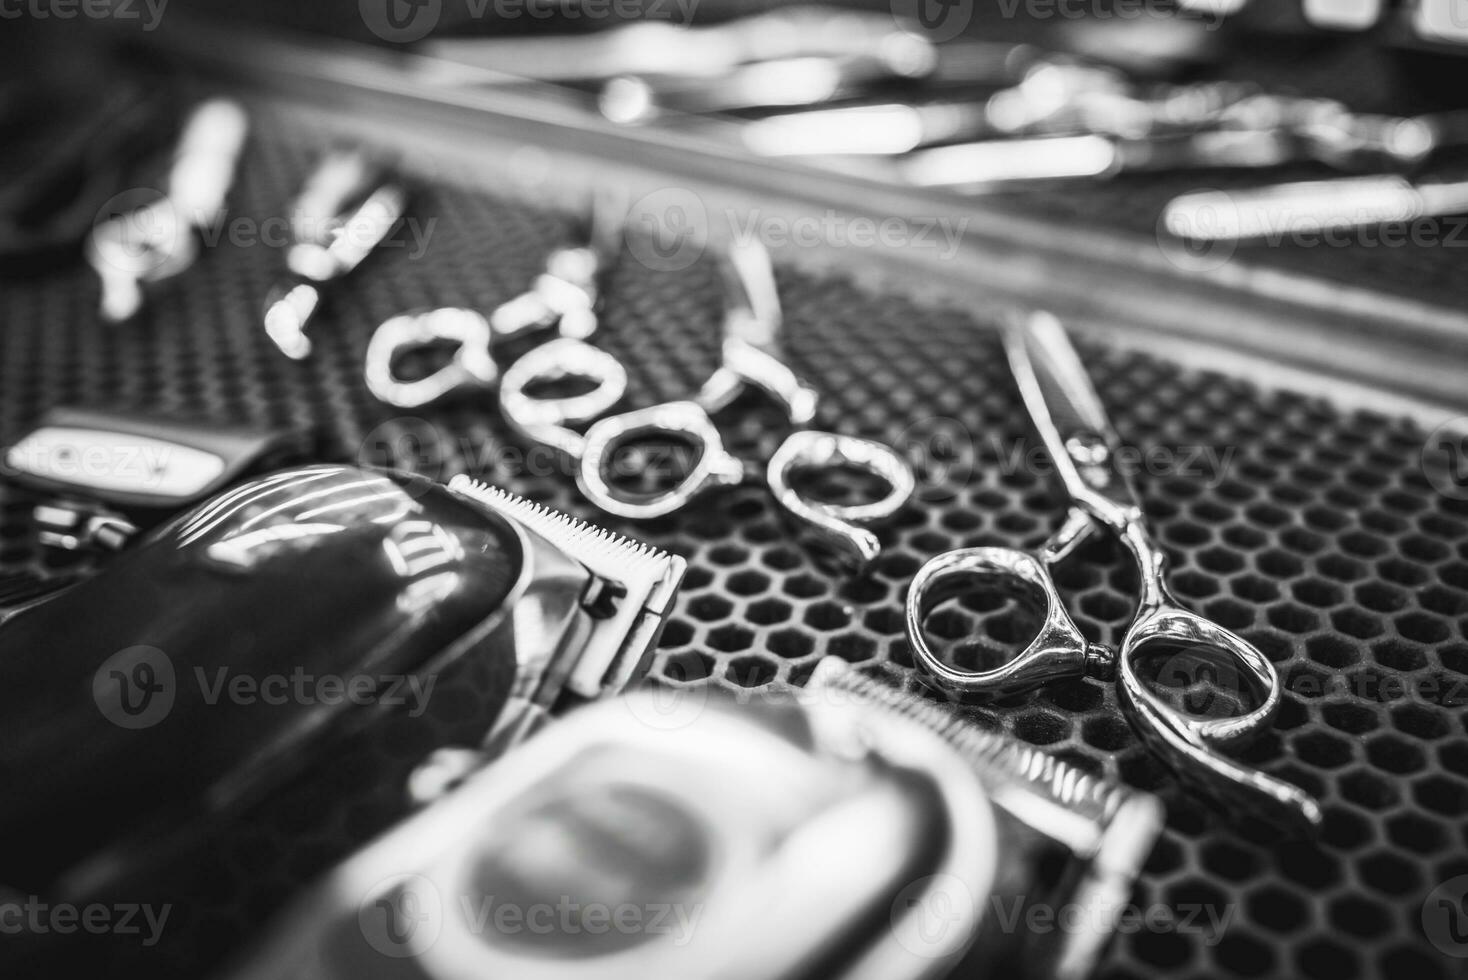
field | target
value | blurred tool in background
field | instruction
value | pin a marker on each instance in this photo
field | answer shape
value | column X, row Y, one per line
column 350, row 203
column 160, row 239
column 1093, row 99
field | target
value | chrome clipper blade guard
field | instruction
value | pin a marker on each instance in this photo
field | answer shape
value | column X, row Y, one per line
column 673, row 833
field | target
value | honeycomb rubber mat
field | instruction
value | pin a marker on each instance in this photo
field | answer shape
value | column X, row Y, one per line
column 1314, row 533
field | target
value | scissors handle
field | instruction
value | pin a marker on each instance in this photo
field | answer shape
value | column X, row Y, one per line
column 472, row 365
column 551, row 420
column 1058, row 652
column 1192, row 745
column 839, row 528
column 680, row 421
column 560, row 301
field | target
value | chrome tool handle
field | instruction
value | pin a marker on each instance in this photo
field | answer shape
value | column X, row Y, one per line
column 1057, row 652
column 550, row 420
column 472, row 365
column 1191, row 744
column 679, row 421
column 839, row 528
column 204, row 168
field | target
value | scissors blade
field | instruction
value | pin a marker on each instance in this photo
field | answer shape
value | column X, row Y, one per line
column 752, row 301
column 1067, row 413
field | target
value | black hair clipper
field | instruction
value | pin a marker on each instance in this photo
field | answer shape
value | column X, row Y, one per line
column 239, row 700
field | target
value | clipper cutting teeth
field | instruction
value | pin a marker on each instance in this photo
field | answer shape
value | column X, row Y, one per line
column 650, row 578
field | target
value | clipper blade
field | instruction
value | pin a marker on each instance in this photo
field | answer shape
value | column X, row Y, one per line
column 1109, row 829
column 648, row 580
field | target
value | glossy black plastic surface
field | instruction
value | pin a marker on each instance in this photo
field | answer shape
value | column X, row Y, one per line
column 211, row 658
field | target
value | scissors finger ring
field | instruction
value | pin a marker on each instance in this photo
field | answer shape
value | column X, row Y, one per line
column 751, row 360
column 563, row 296
column 472, row 365
column 551, row 419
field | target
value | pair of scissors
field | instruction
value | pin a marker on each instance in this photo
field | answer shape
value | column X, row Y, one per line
column 750, row 360
column 563, row 296
column 1084, row 447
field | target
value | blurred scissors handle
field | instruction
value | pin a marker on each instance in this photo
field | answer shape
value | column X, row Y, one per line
column 679, row 421
column 471, row 367
column 563, row 297
column 1058, row 652
column 746, row 365
column 552, row 420
column 839, row 528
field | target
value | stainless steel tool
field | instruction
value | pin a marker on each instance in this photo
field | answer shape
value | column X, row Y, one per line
column 160, row 239
column 348, row 206
column 1084, row 447
column 563, row 297
column 291, row 646
column 692, row 827
column 657, row 48
column 751, row 360
column 1309, row 207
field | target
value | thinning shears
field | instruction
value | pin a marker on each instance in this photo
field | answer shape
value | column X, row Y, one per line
column 1084, row 447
